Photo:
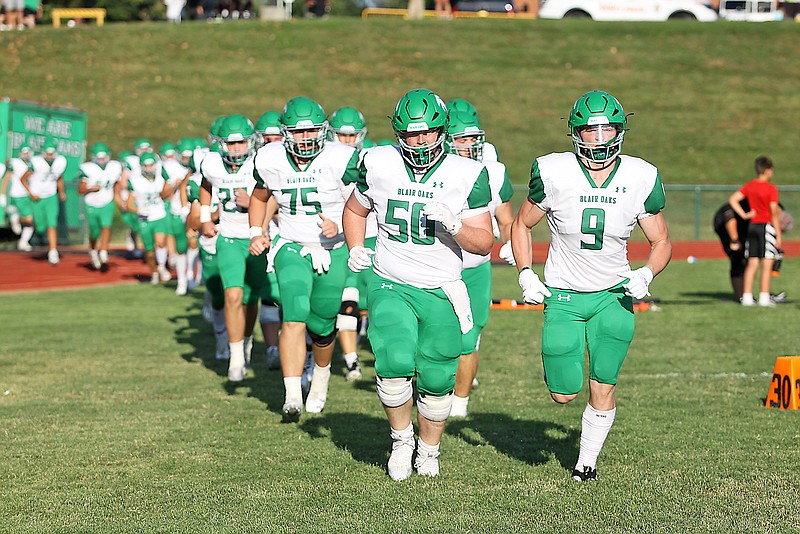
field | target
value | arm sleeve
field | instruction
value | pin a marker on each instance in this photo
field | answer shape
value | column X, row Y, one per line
column 506, row 190
column 656, row 200
column 481, row 195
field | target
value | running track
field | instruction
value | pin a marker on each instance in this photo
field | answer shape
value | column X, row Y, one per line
column 24, row 272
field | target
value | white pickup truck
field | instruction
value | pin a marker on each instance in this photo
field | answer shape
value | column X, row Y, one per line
column 660, row 10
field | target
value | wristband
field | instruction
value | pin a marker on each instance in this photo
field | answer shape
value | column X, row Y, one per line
column 256, row 231
column 205, row 213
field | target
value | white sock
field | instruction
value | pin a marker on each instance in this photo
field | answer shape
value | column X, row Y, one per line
column 26, row 235
column 237, row 353
column 763, row 298
column 424, row 449
column 248, row 347
column 104, row 256
column 93, row 254
column 191, row 258
column 294, row 391
column 405, row 434
column 747, row 298
column 459, row 406
column 319, row 386
column 350, row 358
column 180, row 267
column 219, row 320
column 161, row 256
column 594, row 430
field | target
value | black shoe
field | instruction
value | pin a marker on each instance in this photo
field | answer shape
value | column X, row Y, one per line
column 584, row 476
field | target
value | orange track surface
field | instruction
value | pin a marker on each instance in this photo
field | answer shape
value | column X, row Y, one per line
column 31, row 272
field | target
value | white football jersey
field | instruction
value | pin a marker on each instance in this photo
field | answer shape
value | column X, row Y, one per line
column 590, row 225
column 105, row 177
column 176, row 173
column 501, row 191
column 302, row 195
column 147, row 193
column 18, row 167
column 209, row 244
column 44, row 180
column 489, row 152
column 233, row 218
column 411, row 249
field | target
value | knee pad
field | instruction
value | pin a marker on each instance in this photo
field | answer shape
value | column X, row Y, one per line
column 322, row 341
column 434, row 408
column 394, row 392
column 270, row 314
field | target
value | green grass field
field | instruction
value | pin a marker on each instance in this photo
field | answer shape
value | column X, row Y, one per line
column 116, row 417
column 129, row 425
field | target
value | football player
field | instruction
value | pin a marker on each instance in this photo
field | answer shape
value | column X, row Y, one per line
column 429, row 206
column 19, row 205
column 459, row 104
column 145, row 183
column 592, row 199
column 466, row 138
column 268, row 128
column 177, row 242
column 100, row 187
column 228, row 176
column 307, row 177
column 349, row 128
column 45, row 185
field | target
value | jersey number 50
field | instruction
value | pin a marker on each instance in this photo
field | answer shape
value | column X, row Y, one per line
column 398, row 214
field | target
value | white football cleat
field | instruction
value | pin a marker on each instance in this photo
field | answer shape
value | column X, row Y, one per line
column 164, row 273
column 24, row 247
column 399, row 466
column 181, row 289
column 427, row 464
column 291, row 411
column 52, row 256
column 353, row 372
column 315, row 403
column 154, row 279
column 95, row 260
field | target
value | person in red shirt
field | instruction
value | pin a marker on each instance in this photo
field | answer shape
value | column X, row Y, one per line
column 764, row 232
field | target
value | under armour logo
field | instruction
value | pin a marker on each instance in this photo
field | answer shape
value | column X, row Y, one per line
column 624, row 189
column 438, row 184
column 384, row 285
column 561, row 297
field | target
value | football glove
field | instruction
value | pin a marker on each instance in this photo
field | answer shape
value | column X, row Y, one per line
column 506, row 254
column 360, row 258
column 320, row 258
column 533, row 290
column 436, row 211
column 638, row 282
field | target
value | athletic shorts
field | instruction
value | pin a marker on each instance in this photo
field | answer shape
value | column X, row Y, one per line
column 212, row 279
column 412, row 332
column 177, row 229
column 148, row 230
column 24, row 205
column 45, row 213
column 270, row 292
column 761, row 241
column 602, row 321
column 239, row 268
column 131, row 220
column 360, row 280
column 99, row 218
column 479, row 287
column 306, row 296
column 14, row 5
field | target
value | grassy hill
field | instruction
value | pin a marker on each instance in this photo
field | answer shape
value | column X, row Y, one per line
column 706, row 98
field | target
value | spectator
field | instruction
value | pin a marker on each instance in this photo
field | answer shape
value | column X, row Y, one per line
column 443, row 8
column 764, row 233
column 174, row 10
column 14, row 14
column 32, row 13
column 530, row 7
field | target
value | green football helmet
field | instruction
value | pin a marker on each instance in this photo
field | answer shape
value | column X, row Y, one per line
column 348, row 121
column 141, row 146
column 168, row 150
column 147, row 163
column 50, row 149
column 186, row 149
column 601, row 111
column 463, row 126
column 459, row 104
column 420, row 110
column 100, row 153
column 268, row 124
column 213, row 132
column 215, row 148
column 25, row 152
column 235, row 129
column 303, row 114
